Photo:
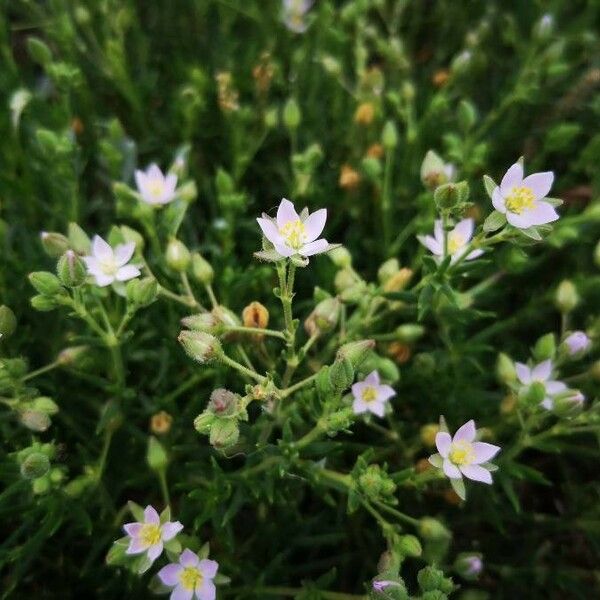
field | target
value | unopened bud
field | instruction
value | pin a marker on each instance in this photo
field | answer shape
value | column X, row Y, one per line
column 341, row 374
column 45, row 283
column 569, row 403
column 449, row 195
column 43, row 303
column 142, row 292
column 432, row 529
column 255, row 315
column 409, row 545
column 291, row 114
column 70, row 356
column 545, row 348
column 566, row 297
column 156, row 455
column 45, row 405
column 389, row 137
column 8, row 321
column 71, row 269
column 388, row 269
column 160, row 423
column 505, row 369
column 430, row 579
column 398, row 281
column 324, row 317
column 410, row 332
column 223, row 403
column 224, row 433
column 468, row 565
column 177, row 256
column 428, row 433
column 434, row 171
column 355, row 352
column 340, row 257
column 202, row 270
column 203, row 422
column 35, row 465
column 55, row 244
column 576, row 343
column 200, row 346
column 35, row 420
column 202, row 322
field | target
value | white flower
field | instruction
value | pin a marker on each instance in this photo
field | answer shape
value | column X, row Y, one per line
column 577, row 343
column 370, row 395
column 293, row 234
column 541, row 373
column 293, row 14
column 154, row 187
column 150, row 535
column 108, row 265
column 462, row 455
column 458, row 239
column 190, row 577
column 522, row 199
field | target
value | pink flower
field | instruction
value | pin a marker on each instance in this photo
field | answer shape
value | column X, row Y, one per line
column 154, row 187
column 190, row 576
column 108, row 265
column 522, row 199
column 541, row 373
column 577, row 343
column 371, row 396
column 462, row 455
column 150, row 535
column 292, row 234
column 458, row 240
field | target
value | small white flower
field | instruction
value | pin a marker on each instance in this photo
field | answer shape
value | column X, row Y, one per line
column 522, row 199
column 462, row 455
column 190, row 577
column 292, row 234
column 577, row 343
column 458, row 239
column 154, row 187
column 108, row 265
column 150, row 535
column 370, row 395
column 541, row 373
column 294, row 12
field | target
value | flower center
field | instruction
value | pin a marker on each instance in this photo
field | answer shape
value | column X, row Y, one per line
column 150, row 534
column 156, row 188
column 369, row 394
column 190, row 577
column 108, row 266
column 294, row 234
column 520, row 199
column 461, row 453
column 455, row 242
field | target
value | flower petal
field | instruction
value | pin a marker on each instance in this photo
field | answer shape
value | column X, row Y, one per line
column 442, row 442
column 270, row 230
column 372, row 378
column 431, row 244
column 123, row 253
column 451, row 470
column 208, row 568
column 359, row 406
column 169, row 575
column 513, row 177
column 385, row 392
column 466, row 432
column 542, row 213
column 473, row 254
column 170, row 530
column 101, row 249
column 315, row 224
column 555, row 387
column 465, row 229
column 476, row 473
column 206, row 590
column 377, row 408
column 132, row 529
column 155, row 551
column 523, row 221
column 283, row 249
column 498, row 200
column 358, row 388
column 127, row 272
column 180, row 593
column 523, row 373
column 154, row 172
column 314, row 247
column 189, row 558
column 151, row 516
column 438, row 231
column 286, row 213
column 539, row 183
column 136, row 545
column 542, row 371
column 484, row 452
column 102, row 279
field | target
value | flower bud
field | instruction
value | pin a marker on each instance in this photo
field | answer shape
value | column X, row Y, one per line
column 428, row 433
column 200, row 346
column 203, row 422
column 355, row 352
column 364, row 114
column 434, row 172
column 569, row 403
column 449, row 195
column 45, row 405
column 400, row 353
column 432, row 529
column 468, row 565
column 324, row 317
column 177, row 256
column 389, row 137
column 291, row 114
column 142, row 292
column 430, row 579
column 340, row 257
column 543, row 28
column 223, row 403
column 399, row 280
column 545, row 347
column 371, row 167
column 160, row 423
column 566, row 297
column 224, row 433
column 8, row 321
column 70, row 356
column 388, row 269
column 410, row 332
column 43, row 303
column 156, row 455
column 55, row 244
column 71, row 270
column 131, row 235
column 40, row 485
column 409, row 545
column 35, row 420
column 505, row 369
column 45, row 283
column 576, row 344
column 202, row 270
column 35, row 465
column 202, row 322
column 341, row 374
column 255, row 315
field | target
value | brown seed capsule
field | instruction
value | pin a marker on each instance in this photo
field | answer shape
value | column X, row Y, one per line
column 160, row 423
column 255, row 315
column 375, row 151
column 401, row 353
column 440, row 78
column 349, row 178
column 364, row 114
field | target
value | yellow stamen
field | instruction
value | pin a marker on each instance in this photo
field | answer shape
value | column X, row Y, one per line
column 455, row 242
column 294, row 234
column 156, row 188
column 520, row 199
column 190, row 578
column 369, row 394
column 461, row 453
column 150, row 534
column 108, row 267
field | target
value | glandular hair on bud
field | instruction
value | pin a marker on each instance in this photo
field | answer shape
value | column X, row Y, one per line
column 224, row 433
column 341, row 374
column 449, row 195
column 200, row 346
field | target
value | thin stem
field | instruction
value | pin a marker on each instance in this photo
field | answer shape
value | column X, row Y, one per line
column 211, row 295
column 185, row 300
column 242, row 369
column 255, row 331
column 104, row 454
column 41, row 371
column 164, row 488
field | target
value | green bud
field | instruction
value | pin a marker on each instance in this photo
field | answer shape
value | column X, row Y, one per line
column 468, row 565
column 533, row 394
column 224, row 433
column 40, row 485
column 271, row 118
column 505, row 369
column 35, row 420
column 434, row 595
column 432, row 530
column 467, row 115
column 434, row 171
column 71, row 356
column 71, row 269
column 223, row 403
column 45, row 405
column 203, row 422
column 388, row 269
column 202, row 322
column 355, row 352
column 39, row 51
column 8, row 321
column 156, row 455
column 76, row 487
column 409, row 545
column 331, row 65
column 224, row 182
column 341, row 374
column 340, row 257
column 430, row 579
column 200, row 346
column 226, row 316
column 35, row 465
column 177, row 256
column 202, row 270
column 142, row 292
column 410, row 332
column 389, row 137
column 78, row 239
column 545, row 347
column 45, row 283
column 371, row 167
column 324, row 317
column 55, row 244
column 449, row 195
column 291, row 114
column 43, row 303
column 566, row 297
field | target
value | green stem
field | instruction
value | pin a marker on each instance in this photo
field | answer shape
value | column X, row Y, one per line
column 41, row 371
column 211, row 295
column 242, row 369
column 164, row 488
column 294, row 388
column 255, row 331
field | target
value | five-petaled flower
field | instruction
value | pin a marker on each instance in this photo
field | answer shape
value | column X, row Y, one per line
column 370, row 395
column 541, row 373
column 462, row 455
column 457, row 241
column 577, row 343
column 190, row 576
column 293, row 14
column 522, row 199
column 108, row 265
column 149, row 536
column 154, row 187
column 292, row 234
